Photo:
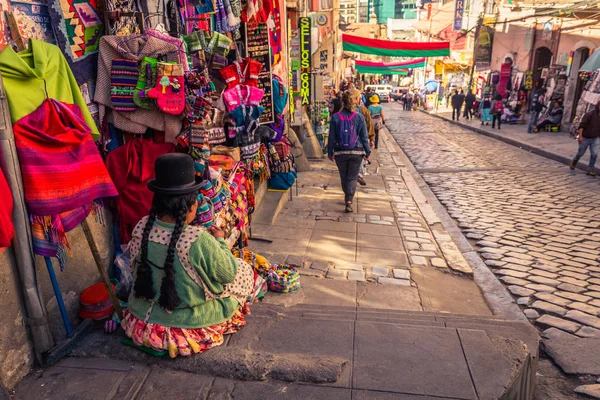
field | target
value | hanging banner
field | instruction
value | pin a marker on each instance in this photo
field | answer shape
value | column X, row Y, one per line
column 484, row 38
column 505, row 74
column 416, row 63
column 391, row 48
column 459, row 10
column 305, row 59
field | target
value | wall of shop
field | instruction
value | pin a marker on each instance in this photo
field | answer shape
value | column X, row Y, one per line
column 16, row 349
column 512, row 41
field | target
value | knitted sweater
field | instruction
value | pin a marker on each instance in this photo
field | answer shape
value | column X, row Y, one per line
column 201, row 262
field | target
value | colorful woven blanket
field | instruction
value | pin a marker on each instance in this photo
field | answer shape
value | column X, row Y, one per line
column 62, row 171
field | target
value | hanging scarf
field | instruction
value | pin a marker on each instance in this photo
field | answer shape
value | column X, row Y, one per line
column 62, row 171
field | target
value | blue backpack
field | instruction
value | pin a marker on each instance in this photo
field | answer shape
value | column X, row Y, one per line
column 346, row 135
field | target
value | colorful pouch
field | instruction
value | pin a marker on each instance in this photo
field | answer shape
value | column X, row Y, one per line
column 169, row 90
column 124, row 77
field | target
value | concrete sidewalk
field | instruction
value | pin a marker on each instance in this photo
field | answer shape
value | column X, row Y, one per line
column 558, row 146
column 388, row 310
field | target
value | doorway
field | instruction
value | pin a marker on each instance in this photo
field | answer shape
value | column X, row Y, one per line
column 579, row 57
column 542, row 59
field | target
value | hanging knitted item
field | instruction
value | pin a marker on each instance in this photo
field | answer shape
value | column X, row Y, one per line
column 204, row 214
column 168, row 91
column 146, row 81
column 124, row 78
column 193, row 42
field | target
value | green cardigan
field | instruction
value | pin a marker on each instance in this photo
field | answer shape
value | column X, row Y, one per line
column 215, row 264
column 24, row 74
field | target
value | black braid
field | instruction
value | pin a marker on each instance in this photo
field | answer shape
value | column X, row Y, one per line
column 169, row 299
column 143, row 283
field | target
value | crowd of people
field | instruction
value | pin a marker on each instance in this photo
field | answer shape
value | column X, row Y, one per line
column 356, row 121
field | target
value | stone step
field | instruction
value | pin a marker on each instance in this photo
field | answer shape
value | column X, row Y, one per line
column 271, row 204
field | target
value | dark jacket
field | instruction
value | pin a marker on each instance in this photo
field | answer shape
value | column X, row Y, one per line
column 361, row 129
column 458, row 100
column 470, row 99
column 590, row 123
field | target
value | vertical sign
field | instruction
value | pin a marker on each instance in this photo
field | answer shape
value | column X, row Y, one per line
column 305, row 59
column 257, row 47
column 458, row 15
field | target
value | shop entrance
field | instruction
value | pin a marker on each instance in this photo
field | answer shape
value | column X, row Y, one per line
column 542, row 59
column 579, row 57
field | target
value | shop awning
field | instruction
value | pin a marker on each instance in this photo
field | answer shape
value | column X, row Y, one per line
column 417, row 63
column 592, row 63
column 440, row 20
column 394, row 48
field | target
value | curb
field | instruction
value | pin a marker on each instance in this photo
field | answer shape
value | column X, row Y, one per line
column 497, row 296
column 516, row 143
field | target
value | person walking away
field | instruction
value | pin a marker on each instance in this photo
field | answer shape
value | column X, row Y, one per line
column 355, row 94
column 486, row 110
column 554, row 117
column 368, row 95
column 376, row 111
column 348, row 145
column 469, row 101
column 336, row 103
column 457, row 102
column 537, row 105
column 589, row 136
column 497, row 110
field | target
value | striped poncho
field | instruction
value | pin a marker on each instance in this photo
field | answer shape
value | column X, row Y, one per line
column 62, row 171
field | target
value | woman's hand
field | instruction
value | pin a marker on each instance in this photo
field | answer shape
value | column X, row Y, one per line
column 216, row 232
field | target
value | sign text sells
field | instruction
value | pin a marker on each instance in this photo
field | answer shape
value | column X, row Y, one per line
column 305, row 59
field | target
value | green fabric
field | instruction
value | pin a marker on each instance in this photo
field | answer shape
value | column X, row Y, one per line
column 24, row 74
column 375, row 109
column 395, row 53
column 213, row 262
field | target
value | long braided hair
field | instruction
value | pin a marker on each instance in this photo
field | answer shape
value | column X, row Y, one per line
column 176, row 207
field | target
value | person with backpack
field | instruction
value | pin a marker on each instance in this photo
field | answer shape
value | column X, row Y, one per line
column 537, row 105
column 485, row 108
column 497, row 110
column 348, row 145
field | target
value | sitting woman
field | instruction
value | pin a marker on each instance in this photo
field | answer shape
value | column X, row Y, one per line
column 189, row 290
column 554, row 117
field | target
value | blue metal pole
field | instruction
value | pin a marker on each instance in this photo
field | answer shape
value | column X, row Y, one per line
column 59, row 299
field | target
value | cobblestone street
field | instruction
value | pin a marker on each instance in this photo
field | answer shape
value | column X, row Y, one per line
column 535, row 223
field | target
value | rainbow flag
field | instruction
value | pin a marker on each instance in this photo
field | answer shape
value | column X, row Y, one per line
column 394, row 49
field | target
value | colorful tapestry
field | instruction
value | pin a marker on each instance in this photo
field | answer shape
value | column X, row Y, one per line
column 393, row 48
column 5, row 38
column 78, row 27
column 29, row 20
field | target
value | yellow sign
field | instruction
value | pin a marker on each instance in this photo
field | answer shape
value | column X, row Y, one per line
column 528, row 80
column 439, row 67
column 305, row 60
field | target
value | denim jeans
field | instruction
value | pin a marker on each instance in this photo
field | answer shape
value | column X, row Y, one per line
column 457, row 112
column 594, row 145
column 533, row 118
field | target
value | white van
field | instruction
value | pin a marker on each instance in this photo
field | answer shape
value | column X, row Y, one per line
column 383, row 91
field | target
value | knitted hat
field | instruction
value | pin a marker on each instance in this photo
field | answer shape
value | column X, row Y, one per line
column 124, row 78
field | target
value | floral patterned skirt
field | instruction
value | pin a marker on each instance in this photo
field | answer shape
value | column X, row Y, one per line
column 181, row 341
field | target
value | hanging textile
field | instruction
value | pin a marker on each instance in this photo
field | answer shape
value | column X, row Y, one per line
column 6, row 208
column 134, row 47
column 393, row 48
column 131, row 166
column 78, row 27
column 62, row 171
column 31, row 74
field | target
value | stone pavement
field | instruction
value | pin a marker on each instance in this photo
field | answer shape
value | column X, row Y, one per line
column 535, row 223
column 558, row 146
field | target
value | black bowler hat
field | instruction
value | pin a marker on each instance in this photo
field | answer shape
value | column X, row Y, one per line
column 174, row 175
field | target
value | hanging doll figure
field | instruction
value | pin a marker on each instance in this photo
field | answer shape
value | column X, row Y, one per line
column 175, row 86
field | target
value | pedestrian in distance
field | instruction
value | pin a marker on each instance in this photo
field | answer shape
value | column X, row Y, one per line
column 457, row 101
column 356, row 96
column 348, row 145
column 469, row 101
column 486, row 110
column 497, row 110
column 376, row 111
column 589, row 136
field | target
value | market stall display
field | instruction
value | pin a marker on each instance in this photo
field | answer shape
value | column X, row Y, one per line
column 116, row 87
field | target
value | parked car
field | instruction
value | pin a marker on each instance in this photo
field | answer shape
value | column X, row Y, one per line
column 383, row 91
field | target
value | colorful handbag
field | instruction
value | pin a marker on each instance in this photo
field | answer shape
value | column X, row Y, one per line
column 233, row 152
